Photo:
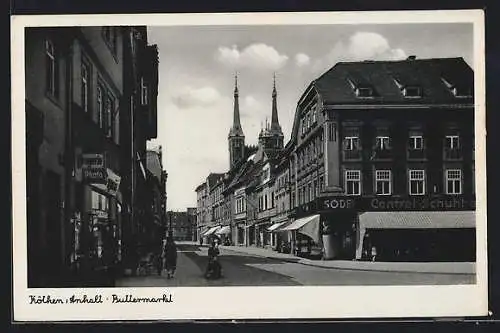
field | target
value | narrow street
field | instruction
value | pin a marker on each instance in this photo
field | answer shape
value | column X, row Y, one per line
column 241, row 269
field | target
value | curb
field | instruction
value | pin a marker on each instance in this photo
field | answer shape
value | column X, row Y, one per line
column 301, row 261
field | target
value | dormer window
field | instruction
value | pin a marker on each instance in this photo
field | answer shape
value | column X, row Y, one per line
column 408, row 90
column 458, row 91
column 361, row 88
column 414, row 92
column 364, row 92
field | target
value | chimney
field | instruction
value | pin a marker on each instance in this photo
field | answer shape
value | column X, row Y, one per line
column 412, row 57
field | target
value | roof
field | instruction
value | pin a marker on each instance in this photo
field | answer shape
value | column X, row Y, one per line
column 199, row 187
column 335, row 85
column 213, row 177
column 153, row 163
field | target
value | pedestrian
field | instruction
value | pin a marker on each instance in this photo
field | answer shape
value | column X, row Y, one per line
column 170, row 257
column 214, row 269
column 374, row 253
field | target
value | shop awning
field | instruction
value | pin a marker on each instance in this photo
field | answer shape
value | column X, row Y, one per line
column 211, row 231
column 224, row 230
column 308, row 226
column 418, row 220
column 276, row 226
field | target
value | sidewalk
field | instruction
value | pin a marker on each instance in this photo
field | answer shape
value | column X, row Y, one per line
column 403, row 267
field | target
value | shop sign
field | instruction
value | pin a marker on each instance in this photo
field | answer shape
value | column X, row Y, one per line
column 95, row 175
column 93, row 161
column 456, row 203
column 100, row 214
column 112, row 182
column 424, row 203
column 338, row 203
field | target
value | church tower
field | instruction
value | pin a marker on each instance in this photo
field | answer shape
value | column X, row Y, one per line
column 271, row 137
column 236, row 138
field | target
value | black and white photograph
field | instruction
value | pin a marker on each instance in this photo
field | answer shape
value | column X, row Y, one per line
column 186, row 164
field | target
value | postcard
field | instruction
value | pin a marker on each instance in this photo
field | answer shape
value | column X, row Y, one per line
column 249, row 166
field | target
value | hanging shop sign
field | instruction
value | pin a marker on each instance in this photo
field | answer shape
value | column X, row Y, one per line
column 93, row 161
column 95, row 175
column 112, row 182
column 100, row 214
column 93, row 166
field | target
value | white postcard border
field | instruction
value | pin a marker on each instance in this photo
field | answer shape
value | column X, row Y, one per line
column 250, row 302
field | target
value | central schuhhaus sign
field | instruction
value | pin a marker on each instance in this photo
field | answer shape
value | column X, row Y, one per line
column 424, row 203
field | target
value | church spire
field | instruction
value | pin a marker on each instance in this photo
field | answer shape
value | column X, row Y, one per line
column 275, row 126
column 236, row 130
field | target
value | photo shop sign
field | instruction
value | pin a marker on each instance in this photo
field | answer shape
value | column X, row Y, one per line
column 421, row 203
column 94, row 168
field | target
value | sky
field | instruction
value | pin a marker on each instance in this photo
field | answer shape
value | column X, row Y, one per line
column 196, row 81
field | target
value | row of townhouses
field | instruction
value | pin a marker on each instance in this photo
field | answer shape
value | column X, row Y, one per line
column 380, row 160
column 95, row 194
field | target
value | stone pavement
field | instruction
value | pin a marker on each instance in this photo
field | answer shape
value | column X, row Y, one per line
column 187, row 274
column 411, row 267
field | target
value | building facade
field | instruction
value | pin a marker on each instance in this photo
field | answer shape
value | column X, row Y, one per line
column 380, row 164
column 182, row 224
column 77, row 104
column 156, row 229
column 387, row 160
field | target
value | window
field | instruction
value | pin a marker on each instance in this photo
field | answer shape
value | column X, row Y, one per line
column 416, row 142
column 382, row 142
column 353, row 182
column 144, row 92
column 110, row 108
column 364, row 92
column 100, row 105
column 383, row 184
column 452, row 147
column 417, row 182
column 452, row 141
column 351, row 143
column 52, row 86
column 454, row 181
column 85, row 86
column 332, row 131
column 412, row 92
column 459, row 91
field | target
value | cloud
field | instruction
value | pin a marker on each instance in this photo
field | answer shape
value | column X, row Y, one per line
column 251, row 102
column 302, row 59
column 188, row 97
column 360, row 46
column 256, row 56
